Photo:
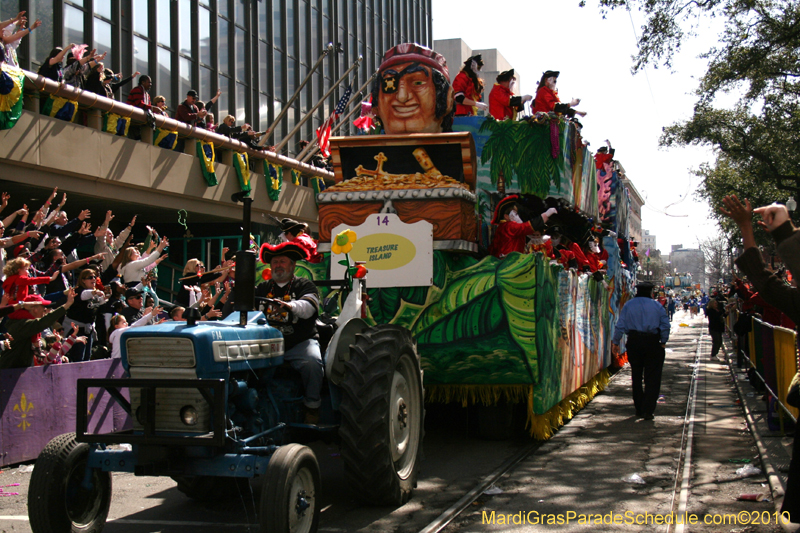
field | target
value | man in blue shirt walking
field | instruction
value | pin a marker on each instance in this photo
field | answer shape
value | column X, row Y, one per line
column 646, row 325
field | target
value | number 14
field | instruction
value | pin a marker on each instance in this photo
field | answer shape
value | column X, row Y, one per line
column 385, row 220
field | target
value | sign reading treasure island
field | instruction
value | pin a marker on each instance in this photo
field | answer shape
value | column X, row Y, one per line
column 397, row 254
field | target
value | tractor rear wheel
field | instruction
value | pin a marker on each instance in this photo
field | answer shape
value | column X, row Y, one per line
column 382, row 415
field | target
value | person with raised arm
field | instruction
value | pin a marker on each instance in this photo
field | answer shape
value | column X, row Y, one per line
column 776, row 220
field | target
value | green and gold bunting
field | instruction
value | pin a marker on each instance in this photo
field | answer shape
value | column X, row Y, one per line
column 241, row 164
column 11, row 81
column 165, row 138
column 60, row 108
column 205, row 152
column 318, row 184
column 274, row 176
column 296, row 177
column 116, row 124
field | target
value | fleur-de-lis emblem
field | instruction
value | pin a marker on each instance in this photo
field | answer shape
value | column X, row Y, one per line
column 89, row 402
column 23, row 407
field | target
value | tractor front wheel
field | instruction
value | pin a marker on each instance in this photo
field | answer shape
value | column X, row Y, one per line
column 289, row 499
column 63, row 497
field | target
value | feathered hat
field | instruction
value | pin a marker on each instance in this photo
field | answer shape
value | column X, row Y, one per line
column 290, row 249
column 502, row 205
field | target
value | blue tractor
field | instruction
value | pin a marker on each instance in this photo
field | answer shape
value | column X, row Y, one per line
column 213, row 405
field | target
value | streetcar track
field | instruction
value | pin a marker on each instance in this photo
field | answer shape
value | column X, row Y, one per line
column 455, row 510
column 683, row 470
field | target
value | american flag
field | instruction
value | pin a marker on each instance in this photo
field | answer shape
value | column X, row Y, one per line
column 324, row 131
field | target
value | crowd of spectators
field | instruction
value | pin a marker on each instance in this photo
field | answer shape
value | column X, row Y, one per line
column 85, row 70
column 71, row 286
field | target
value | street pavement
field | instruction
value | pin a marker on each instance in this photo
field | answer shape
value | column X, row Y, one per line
column 603, row 466
column 606, row 470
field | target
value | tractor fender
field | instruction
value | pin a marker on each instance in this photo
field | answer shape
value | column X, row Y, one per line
column 338, row 352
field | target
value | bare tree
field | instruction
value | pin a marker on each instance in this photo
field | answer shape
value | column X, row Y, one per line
column 717, row 253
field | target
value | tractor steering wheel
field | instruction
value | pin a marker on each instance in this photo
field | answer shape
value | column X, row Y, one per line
column 263, row 303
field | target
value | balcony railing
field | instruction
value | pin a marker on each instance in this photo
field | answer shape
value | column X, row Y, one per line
column 95, row 105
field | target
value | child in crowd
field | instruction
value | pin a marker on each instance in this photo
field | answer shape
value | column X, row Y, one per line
column 119, row 324
column 57, row 347
column 17, row 281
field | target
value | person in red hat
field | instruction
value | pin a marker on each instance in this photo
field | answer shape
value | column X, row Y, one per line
column 292, row 305
column 468, row 88
column 512, row 232
column 503, row 104
column 26, row 325
column 412, row 92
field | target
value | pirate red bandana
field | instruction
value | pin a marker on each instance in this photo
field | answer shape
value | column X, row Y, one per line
column 412, row 52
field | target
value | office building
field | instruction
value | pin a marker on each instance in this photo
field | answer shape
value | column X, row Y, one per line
column 256, row 51
column 648, row 241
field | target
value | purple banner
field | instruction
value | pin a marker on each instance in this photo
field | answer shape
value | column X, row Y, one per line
column 38, row 403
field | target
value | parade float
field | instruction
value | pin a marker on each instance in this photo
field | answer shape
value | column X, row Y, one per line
column 521, row 330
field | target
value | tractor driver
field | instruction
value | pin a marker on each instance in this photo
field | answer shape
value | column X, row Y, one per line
column 294, row 303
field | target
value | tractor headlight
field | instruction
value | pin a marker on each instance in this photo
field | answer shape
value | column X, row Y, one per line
column 189, row 415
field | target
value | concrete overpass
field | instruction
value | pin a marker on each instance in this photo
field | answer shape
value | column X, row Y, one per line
column 101, row 171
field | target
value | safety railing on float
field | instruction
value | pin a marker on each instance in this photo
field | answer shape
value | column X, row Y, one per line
column 770, row 354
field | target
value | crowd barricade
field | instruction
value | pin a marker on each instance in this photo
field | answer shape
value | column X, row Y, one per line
column 770, row 354
column 38, row 403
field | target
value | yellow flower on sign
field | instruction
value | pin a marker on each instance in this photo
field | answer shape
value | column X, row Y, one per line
column 23, row 407
column 343, row 243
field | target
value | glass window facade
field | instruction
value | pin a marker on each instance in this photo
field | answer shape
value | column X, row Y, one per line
column 256, row 51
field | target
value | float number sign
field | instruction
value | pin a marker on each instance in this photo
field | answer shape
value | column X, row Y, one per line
column 397, row 254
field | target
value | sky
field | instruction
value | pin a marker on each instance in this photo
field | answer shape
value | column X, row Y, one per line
column 594, row 57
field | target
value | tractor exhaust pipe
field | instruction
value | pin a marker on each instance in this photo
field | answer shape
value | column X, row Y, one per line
column 245, row 288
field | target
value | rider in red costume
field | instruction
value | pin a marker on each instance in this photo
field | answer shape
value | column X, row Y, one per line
column 512, row 232
column 468, row 88
column 547, row 97
column 503, row 103
column 295, row 231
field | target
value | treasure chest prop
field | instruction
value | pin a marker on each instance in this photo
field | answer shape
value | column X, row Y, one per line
column 427, row 177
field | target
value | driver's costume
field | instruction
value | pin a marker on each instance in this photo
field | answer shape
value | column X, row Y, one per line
column 301, row 345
